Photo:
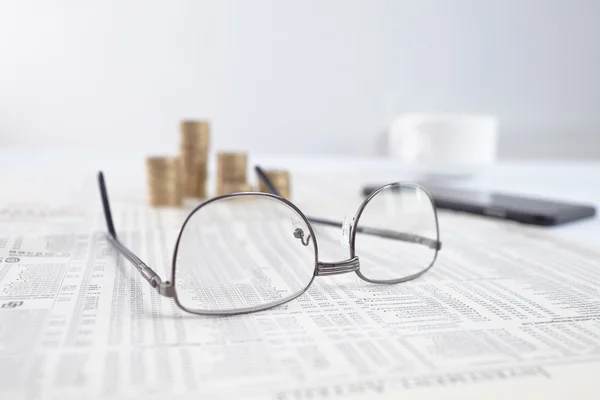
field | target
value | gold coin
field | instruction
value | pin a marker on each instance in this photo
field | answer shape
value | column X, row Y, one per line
column 164, row 181
column 232, row 167
column 194, row 133
column 233, row 187
column 193, row 154
column 280, row 179
column 194, row 142
column 162, row 161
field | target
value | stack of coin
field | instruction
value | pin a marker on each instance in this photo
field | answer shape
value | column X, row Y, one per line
column 280, row 179
column 232, row 173
column 164, row 179
column 194, row 141
column 234, row 187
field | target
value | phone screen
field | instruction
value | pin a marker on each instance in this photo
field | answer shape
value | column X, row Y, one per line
column 528, row 209
column 497, row 200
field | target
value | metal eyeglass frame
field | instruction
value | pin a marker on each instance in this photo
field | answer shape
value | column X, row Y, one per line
column 167, row 288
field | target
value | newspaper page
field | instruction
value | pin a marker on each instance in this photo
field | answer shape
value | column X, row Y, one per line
column 504, row 307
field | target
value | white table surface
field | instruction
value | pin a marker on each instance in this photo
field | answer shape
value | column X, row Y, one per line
column 333, row 180
column 332, row 185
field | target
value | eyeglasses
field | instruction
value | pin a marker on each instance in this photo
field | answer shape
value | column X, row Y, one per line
column 246, row 252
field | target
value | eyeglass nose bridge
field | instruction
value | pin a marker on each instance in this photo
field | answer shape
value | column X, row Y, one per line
column 338, row 267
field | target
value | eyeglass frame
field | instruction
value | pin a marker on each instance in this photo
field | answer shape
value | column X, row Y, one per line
column 352, row 264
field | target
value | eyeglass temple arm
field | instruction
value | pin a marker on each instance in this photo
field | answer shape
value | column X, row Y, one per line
column 164, row 288
column 386, row 233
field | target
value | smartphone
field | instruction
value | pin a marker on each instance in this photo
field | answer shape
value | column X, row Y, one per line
column 525, row 209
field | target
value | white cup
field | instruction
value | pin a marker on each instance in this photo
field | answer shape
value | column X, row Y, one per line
column 445, row 144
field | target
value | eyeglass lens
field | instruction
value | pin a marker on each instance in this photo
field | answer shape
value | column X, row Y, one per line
column 243, row 253
column 396, row 234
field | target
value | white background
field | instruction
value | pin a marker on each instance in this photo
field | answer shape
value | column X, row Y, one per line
column 310, row 76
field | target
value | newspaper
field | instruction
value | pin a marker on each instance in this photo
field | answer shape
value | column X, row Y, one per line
column 504, row 308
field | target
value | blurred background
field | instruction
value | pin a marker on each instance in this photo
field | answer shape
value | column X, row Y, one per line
column 297, row 77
